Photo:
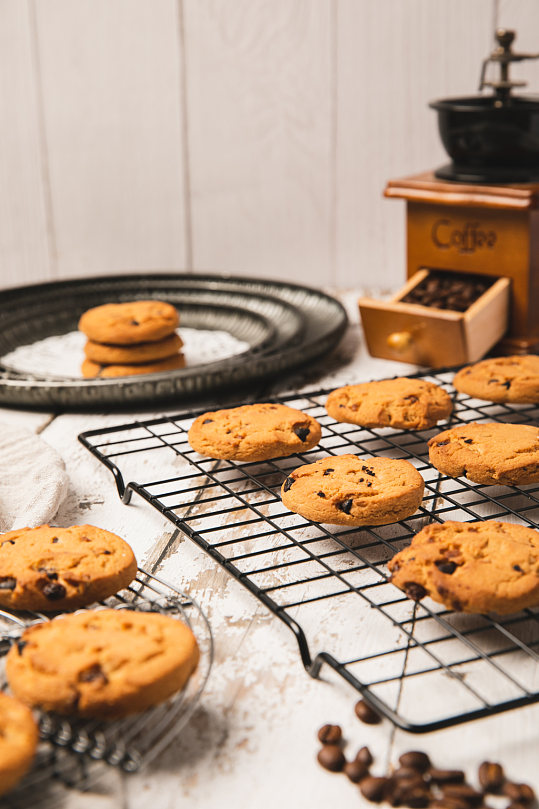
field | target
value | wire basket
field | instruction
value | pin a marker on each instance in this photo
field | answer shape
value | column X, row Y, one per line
column 421, row 665
column 72, row 751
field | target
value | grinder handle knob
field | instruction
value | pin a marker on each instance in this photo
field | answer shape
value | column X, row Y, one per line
column 399, row 340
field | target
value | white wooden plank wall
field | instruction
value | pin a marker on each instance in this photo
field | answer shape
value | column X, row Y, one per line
column 246, row 136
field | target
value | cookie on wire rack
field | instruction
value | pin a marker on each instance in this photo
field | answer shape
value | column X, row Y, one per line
column 472, row 567
column 512, row 379
column 18, row 741
column 104, row 664
column 50, row 569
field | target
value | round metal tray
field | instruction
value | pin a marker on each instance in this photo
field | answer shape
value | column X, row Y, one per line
column 280, row 326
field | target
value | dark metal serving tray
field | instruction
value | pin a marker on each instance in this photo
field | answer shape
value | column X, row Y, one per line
column 421, row 665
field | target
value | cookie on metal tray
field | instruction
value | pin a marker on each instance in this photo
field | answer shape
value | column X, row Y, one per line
column 488, row 453
column 254, row 432
column 92, row 369
column 105, row 354
column 347, row 490
column 49, row 569
column 471, row 566
column 102, row 663
column 127, row 323
column 18, row 741
column 502, row 379
column 403, row 403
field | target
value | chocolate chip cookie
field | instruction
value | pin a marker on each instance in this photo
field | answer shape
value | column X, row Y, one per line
column 347, row 490
column 50, row 569
column 502, row 379
column 127, row 323
column 471, row 567
column 106, row 354
column 488, row 453
column 92, row 369
column 18, row 741
column 102, row 663
column 254, row 432
column 408, row 404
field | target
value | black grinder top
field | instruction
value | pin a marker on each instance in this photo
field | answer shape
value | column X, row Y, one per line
column 492, row 139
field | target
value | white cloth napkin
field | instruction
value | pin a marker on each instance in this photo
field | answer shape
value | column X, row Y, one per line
column 33, row 480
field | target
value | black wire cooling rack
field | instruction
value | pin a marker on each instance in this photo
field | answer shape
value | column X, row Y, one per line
column 421, row 665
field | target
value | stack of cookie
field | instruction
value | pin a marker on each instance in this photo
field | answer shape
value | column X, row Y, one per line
column 138, row 337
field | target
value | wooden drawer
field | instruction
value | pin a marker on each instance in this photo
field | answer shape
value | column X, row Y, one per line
column 424, row 335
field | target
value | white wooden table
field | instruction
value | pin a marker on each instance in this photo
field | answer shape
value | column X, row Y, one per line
column 252, row 740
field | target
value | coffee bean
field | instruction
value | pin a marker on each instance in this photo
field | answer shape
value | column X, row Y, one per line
column 367, row 714
column 448, row 803
column 355, row 770
column 415, row 760
column 517, row 805
column 375, row 788
column 463, row 792
column 491, row 775
column 331, row 757
column 415, row 796
column 409, row 775
column 446, row 776
column 364, row 755
column 330, row 734
column 520, row 793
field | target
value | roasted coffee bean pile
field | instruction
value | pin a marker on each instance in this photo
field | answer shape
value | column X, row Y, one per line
column 448, row 291
column 416, row 782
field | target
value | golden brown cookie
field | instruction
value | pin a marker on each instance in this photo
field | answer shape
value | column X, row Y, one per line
column 254, row 432
column 18, row 741
column 347, row 490
column 93, row 369
column 403, row 403
column 105, row 354
column 488, row 453
column 102, row 663
column 502, row 379
column 51, row 569
column 471, row 567
column 128, row 323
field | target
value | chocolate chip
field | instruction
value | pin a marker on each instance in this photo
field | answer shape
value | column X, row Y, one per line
column 367, row 714
column 331, row 757
column 328, row 471
column 506, row 384
column 288, row 484
column 207, row 421
column 54, row 540
column 369, row 483
column 51, row 574
column 20, row 646
column 53, row 591
column 446, row 776
column 368, row 471
column 491, row 775
column 11, row 541
column 521, row 793
column 301, row 432
column 330, row 734
column 91, row 674
column 444, row 566
column 355, row 770
column 517, row 567
column 414, row 590
column 364, row 755
column 442, row 443
column 107, row 553
column 7, row 583
column 135, row 323
column 320, row 494
column 415, row 760
column 411, row 399
column 375, row 788
column 468, row 440
column 345, row 505
column 463, row 792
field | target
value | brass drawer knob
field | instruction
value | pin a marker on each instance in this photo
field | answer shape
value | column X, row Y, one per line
column 399, row 340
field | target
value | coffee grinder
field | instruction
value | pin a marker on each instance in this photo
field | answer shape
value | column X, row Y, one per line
column 476, row 218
